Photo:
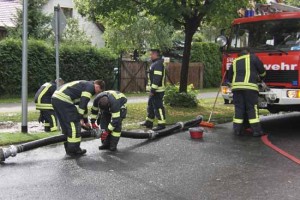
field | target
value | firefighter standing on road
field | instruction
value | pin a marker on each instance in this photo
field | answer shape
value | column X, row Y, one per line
column 112, row 106
column 71, row 118
column 42, row 101
column 243, row 75
column 156, row 84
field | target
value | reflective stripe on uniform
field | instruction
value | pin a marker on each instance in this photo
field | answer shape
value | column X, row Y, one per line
column 154, row 86
column 81, row 111
column 46, row 124
column 47, row 86
column 116, row 95
column 61, row 96
column 156, row 72
column 161, row 115
column 95, row 108
column 115, row 115
column 116, row 134
column 86, row 94
column 73, row 138
column 110, row 127
column 237, row 121
column 247, row 69
column 44, row 106
column 93, row 116
column 256, row 120
column 54, row 127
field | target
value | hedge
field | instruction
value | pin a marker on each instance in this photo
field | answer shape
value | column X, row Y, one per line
column 76, row 63
column 209, row 54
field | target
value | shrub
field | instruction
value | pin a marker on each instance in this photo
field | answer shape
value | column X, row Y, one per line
column 176, row 99
column 77, row 62
column 209, row 54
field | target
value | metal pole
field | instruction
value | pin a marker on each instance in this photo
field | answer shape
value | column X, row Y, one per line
column 24, row 127
column 56, row 13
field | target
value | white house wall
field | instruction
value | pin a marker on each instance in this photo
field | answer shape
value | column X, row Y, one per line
column 90, row 28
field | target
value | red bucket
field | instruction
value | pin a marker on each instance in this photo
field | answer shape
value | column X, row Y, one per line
column 196, row 132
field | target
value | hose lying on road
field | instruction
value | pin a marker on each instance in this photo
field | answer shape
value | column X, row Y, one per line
column 96, row 133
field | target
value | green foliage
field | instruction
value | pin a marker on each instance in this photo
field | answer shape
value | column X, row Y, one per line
column 175, row 98
column 209, row 54
column 293, row 2
column 139, row 33
column 77, row 62
column 38, row 22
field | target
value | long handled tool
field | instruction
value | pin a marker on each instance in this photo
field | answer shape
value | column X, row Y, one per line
column 208, row 123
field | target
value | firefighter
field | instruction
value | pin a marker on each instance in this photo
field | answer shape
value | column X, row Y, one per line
column 112, row 106
column 71, row 118
column 42, row 101
column 244, row 74
column 156, row 85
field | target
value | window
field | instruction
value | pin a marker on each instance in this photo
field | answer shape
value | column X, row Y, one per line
column 267, row 35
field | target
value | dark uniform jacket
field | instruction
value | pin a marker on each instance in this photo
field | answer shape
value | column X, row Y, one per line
column 245, row 71
column 77, row 93
column 156, row 76
column 43, row 96
column 117, row 102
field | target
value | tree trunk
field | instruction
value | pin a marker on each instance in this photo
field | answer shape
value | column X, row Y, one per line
column 186, row 59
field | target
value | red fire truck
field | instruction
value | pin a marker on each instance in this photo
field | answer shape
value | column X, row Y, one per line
column 275, row 38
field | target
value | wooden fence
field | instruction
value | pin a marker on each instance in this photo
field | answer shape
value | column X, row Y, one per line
column 134, row 75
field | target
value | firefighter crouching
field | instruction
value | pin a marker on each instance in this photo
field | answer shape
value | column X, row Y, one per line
column 156, row 85
column 42, row 101
column 243, row 75
column 71, row 118
column 110, row 108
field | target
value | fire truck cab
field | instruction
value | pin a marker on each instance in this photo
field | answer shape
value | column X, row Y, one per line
column 275, row 39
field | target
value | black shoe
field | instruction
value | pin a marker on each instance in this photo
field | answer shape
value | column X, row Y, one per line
column 113, row 143
column 147, row 124
column 73, row 149
column 258, row 134
column 105, row 143
column 159, row 127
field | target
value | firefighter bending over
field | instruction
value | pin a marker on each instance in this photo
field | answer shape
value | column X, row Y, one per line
column 244, row 74
column 156, row 84
column 71, row 118
column 42, row 101
column 112, row 106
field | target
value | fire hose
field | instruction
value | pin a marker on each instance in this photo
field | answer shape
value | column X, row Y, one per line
column 13, row 150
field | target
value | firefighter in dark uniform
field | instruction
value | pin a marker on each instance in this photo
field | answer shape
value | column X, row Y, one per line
column 110, row 109
column 71, row 118
column 156, row 85
column 244, row 74
column 42, row 101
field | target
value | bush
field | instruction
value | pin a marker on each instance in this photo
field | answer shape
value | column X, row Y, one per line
column 77, row 62
column 209, row 54
column 176, row 99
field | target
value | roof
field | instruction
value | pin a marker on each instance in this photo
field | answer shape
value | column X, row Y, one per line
column 8, row 11
column 273, row 16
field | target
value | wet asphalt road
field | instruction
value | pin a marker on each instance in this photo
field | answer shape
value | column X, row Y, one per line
column 221, row 166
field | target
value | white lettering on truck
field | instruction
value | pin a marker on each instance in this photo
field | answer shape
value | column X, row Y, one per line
column 282, row 66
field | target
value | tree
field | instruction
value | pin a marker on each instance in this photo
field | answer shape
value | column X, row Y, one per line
column 38, row 23
column 140, row 33
column 185, row 14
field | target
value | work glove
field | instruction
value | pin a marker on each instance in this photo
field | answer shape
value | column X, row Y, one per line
column 95, row 126
column 104, row 135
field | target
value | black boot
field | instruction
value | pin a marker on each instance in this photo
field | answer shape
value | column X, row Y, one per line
column 113, row 143
column 105, row 143
column 258, row 134
column 73, row 149
column 47, row 129
column 147, row 124
column 159, row 127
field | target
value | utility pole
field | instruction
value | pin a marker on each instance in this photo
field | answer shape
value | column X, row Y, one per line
column 24, row 127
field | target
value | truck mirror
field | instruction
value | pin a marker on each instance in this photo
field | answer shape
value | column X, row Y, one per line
column 222, row 40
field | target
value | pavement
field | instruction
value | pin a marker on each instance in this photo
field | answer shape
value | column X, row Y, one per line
column 221, row 166
column 16, row 107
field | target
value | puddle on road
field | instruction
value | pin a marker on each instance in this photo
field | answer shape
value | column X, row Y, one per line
column 14, row 127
